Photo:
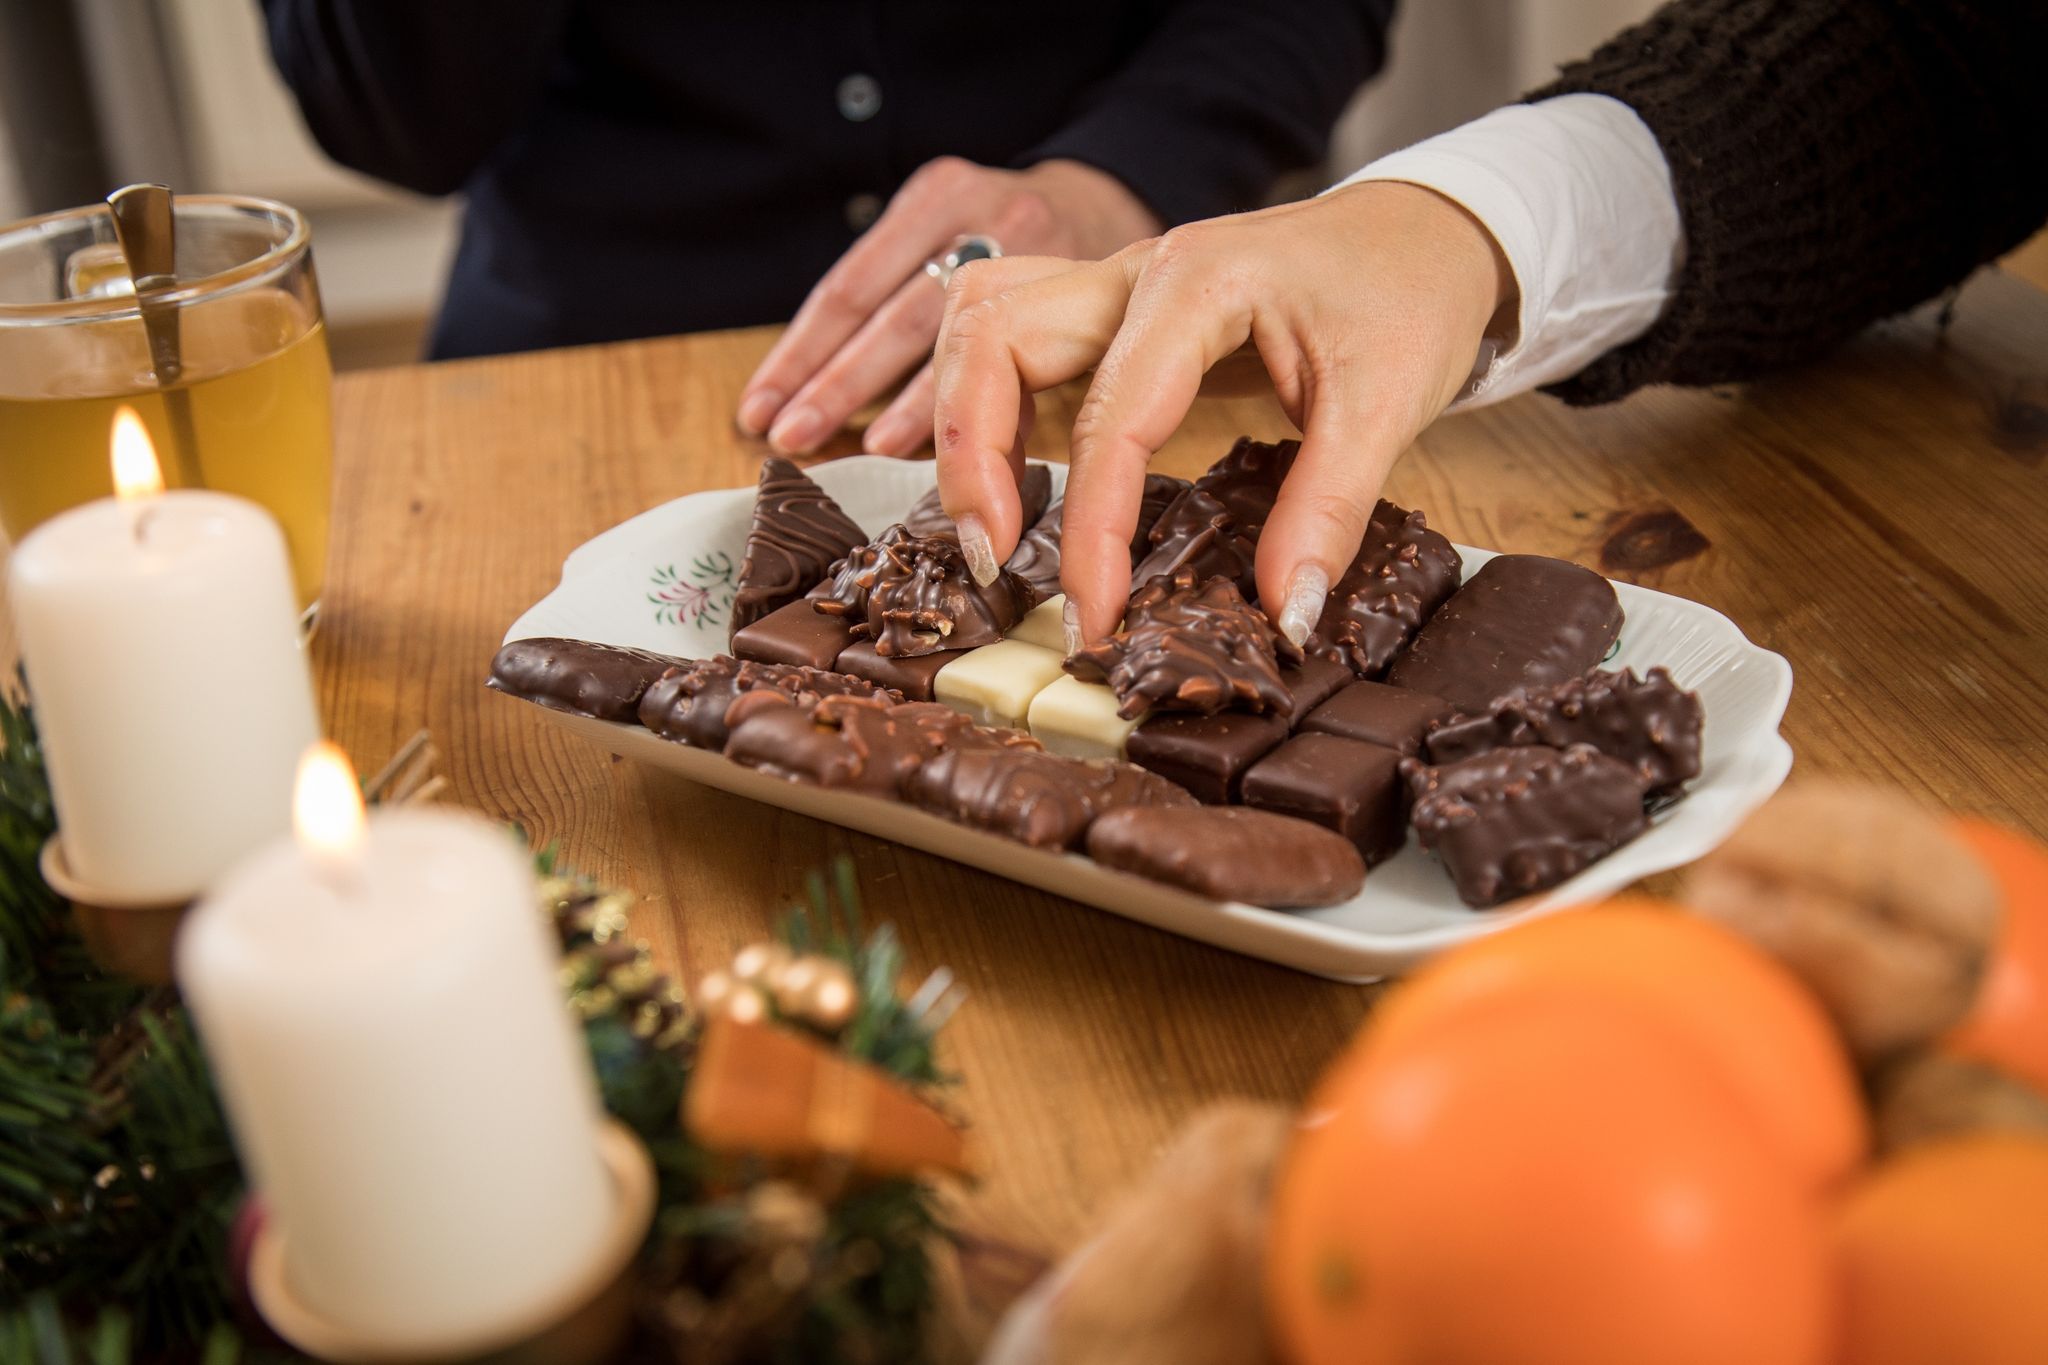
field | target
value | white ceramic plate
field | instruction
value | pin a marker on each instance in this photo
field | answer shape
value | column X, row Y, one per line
column 664, row 581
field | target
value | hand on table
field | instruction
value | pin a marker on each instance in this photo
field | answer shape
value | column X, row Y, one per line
column 873, row 316
column 1366, row 307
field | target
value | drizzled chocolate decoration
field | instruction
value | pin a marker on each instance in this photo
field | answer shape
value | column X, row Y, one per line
column 1197, row 533
column 1036, row 798
column 1036, row 559
column 1246, row 481
column 1649, row 723
column 914, row 595
column 1229, row 853
column 1190, row 647
column 581, row 677
column 1521, row 621
column 1520, row 820
column 927, row 517
column 690, row 704
column 1404, row 571
column 864, row 744
column 797, row 534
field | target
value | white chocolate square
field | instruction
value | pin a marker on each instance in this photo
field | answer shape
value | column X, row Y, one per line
column 1079, row 719
column 1043, row 625
column 994, row 685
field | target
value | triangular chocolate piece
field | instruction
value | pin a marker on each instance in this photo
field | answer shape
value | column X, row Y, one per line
column 798, row 534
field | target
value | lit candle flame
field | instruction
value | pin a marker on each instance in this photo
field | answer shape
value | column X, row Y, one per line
column 327, row 805
column 136, row 472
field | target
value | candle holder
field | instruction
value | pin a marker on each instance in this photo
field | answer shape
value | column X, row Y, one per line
column 128, row 936
column 585, row 1325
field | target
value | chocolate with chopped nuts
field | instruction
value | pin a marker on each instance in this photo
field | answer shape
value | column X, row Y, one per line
column 1649, row 723
column 689, row 704
column 1188, row 645
column 914, row 595
column 581, row 677
column 1036, row 798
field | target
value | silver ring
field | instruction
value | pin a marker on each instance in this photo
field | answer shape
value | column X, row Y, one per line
column 964, row 249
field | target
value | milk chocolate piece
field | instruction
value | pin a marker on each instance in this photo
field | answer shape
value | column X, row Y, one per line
column 795, row 634
column 1160, row 492
column 797, row 535
column 1228, row 853
column 1247, row 480
column 582, row 677
column 1208, row 755
column 864, row 744
column 1038, row 799
column 913, row 676
column 928, row 518
column 1310, row 683
column 1404, row 571
column 689, row 704
column 1190, row 646
column 1522, row 621
column 1392, row 717
column 1036, row 559
column 1198, row 534
column 914, row 595
column 1346, row 785
column 1648, row 723
column 1520, row 820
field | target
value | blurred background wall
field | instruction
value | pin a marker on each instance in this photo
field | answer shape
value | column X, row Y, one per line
column 98, row 93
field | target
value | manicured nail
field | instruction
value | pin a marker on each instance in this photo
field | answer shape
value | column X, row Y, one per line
column 1070, row 623
column 890, row 434
column 1305, row 596
column 975, row 544
column 798, row 430
column 758, row 409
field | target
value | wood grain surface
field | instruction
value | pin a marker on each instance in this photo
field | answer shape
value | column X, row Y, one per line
column 1880, row 519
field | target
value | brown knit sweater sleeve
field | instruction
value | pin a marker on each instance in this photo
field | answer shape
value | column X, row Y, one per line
column 1835, row 162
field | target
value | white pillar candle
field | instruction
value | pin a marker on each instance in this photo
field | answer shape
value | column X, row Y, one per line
column 160, row 635
column 404, row 1081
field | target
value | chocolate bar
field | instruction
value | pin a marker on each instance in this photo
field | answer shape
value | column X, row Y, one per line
column 1036, row 798
column 1392, row 717
column 1403, row 572
column 797, row 634
column 689, row 704
column 1188, row 645
column 914, row 595
column 1346, row 785
column 1229, row 853
column 1208, row 755
column 1519, row 820
column 863, row 744
column 915, row 677
column 927, row 516
column 798, row 533
column 1310, row 683
column 1522, row 621
column 1649, row 723
column 581, row 677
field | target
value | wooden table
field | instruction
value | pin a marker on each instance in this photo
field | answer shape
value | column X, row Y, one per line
column 1882, row 520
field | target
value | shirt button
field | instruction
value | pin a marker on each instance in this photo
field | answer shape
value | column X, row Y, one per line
column 860, row 98
column 862, row 210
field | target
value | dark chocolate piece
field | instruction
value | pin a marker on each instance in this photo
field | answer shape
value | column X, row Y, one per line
column 689, row 704
column 914, row 595
column 911, row 676
column 1310, row 683
column 1208, row 755
column 1520, row 820
column 1522, row 621
column 1228, row 853
column 1190, row 646
column 797, row 535
column 1161, row 490
column 1036, row 559
column 1346, row 785
column 1648, row 723
column 794, row 634
column 1198, row 533
column 1247, row 480
column 1036, row 798
column 1392, row 717
column 1404, row 571
column 864, row 744
column 582, row 677
column 927, row 517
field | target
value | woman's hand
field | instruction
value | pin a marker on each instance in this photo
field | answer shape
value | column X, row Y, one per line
column 1367, row 308
column 872, row 318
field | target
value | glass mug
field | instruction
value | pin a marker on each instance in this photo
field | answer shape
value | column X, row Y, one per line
column 251, row 401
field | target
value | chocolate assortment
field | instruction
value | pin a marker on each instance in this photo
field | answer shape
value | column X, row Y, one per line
column 1196, row 746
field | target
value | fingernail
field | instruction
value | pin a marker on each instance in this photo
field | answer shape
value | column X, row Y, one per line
column 975, row 544
column 1070, row 623
column 797, row 430
column 1305, row 596
column 758, row 409
column 890, row 433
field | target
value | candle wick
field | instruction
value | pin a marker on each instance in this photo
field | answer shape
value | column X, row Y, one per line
column 139, row 513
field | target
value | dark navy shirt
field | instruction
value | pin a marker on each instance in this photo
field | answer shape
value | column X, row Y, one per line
column 637, row 167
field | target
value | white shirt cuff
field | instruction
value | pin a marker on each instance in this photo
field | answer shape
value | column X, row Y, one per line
column 1577, row 193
